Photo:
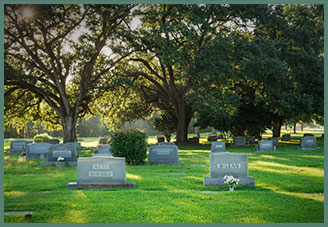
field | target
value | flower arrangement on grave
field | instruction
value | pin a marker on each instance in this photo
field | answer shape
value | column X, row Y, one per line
column 231, row 182
column 60, row 159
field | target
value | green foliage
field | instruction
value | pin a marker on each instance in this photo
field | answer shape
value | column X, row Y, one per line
column 42, row 137
column 103, row 141
column 131, row 144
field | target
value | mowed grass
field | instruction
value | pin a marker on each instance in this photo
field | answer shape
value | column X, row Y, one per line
column 289, row 188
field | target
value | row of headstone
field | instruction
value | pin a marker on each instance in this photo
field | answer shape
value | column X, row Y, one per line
column 41, row 150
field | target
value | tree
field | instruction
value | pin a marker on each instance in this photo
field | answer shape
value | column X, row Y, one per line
column 45, row 64
column 167, row 50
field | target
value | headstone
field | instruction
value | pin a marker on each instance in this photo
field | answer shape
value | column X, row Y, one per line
column 226, row 163
column 165, row 143
column 37, row 150
column 219, row 137
column 66, row 151
column 285, row 137
column 163, row 154
column 18, row 146
column 275, row 140
column 251, row 140
column 76, row 145
column 103, row 150
column 218, row 147
column 265, row 145
column 308, row 143
column 101, row 172
column 240, row 141
column 54, row 141
column 160, row 138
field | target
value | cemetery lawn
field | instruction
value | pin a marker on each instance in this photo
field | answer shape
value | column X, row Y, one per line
column 289, row 188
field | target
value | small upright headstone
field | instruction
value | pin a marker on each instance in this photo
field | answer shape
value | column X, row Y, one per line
column 218, row 147
column 240, row 141
column 102, row 150
column 265, row 145
column 101, row 172
column 37, row 150
column 65, row 151
column 227, row 163
column 275, row 140
column 212, row 137
column 54, row 141
column 285, row 137
column 194, row 140
column 308, row 143
column 19, row 146
column 163, row 154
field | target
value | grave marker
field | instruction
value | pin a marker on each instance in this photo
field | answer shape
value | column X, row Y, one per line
column 226, row 163
column 19, row 146
column 275, row 140
column 240, row 141
column 37, row 150
column 66, row 151
column 285, row 137
column 265, row 145
column 163, row 154
column 103, row 150
column 101, row 172
column 218, row 147
column 308, row 143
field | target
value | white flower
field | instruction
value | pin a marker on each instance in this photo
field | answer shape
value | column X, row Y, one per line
column 59, row 159
column 230, row 181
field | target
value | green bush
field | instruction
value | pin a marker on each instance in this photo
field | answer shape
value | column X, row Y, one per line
column 41, row 138
column 131, row 144
column 103, row 141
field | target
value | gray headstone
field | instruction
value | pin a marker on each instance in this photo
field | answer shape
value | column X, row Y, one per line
column 65, row 151
column 275, row 140
column 101, row 170
column 285, row 137
column 218, row 147
column 226, row 163
column 37, row 150
column 76, row 145
column 165, row 143
column 307, row 134
column 17, row 147
column 308, row 143
column 266, row 145
column 103, row 150
column 240, row 141
column 163, row 153
column 54, row 141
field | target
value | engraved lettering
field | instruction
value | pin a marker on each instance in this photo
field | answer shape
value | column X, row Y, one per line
column 100, row 173
column 229, row 165
column 100, row 166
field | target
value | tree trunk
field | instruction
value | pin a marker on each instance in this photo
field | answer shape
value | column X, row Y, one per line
column 276, row 127
column 294, row 128
column 184, row 115
column 197, row 131
column 69, row 129
column 302, row 126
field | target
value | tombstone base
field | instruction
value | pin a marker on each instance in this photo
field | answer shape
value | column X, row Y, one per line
column 45, row 163
column 248, row 182
column 164, row 163
column 309, row 148
column 96, row 154
column 75, row 185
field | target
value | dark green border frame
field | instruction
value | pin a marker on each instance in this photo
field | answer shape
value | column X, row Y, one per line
column 325, row 2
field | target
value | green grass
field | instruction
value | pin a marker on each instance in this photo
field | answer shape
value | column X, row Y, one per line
column 289, row 189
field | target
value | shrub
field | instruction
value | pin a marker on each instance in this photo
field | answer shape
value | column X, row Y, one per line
column 41, row 138
column 103, row 141
column 131, row 144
